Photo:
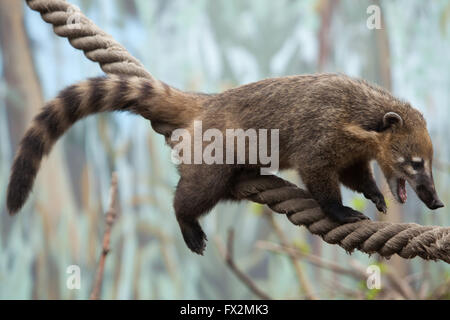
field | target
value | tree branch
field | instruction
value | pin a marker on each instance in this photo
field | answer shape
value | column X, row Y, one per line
column 302, row 279
column 315, row 260
column 228, row 257
column 110, row 218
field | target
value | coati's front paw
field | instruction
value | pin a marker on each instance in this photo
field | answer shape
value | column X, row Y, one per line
column 193, row 236
column 344, row 214
column 378, row 200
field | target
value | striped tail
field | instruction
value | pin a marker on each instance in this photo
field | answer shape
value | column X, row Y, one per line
column 151, row 99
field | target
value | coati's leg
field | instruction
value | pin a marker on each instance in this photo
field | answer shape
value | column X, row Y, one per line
column 200, row 188
column 323, row 184
column 359, row 177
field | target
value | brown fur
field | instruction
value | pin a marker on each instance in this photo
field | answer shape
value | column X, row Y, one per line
column 151, row 99
column 331, row 127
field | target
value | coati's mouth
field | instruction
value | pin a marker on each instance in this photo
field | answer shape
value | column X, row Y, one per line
column 422, row 185
column 398, row 189
column 401, row 190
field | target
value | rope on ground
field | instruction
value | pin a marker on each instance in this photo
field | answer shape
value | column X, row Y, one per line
column 408, row 240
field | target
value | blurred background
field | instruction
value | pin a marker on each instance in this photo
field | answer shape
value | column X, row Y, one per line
column 207, row 46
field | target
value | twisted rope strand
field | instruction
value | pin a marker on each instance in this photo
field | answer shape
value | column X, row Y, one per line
column 83, row 34
column 408, row 240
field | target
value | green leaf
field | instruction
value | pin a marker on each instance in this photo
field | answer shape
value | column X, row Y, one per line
column 256, row 208
column 372, row 294
column 359, row 204
column 302, row 246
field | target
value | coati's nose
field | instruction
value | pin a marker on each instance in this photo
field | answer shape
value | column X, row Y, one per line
column 436, row 204
column 428, row 195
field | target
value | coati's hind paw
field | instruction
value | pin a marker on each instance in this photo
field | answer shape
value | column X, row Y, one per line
column 344, row 214
column 194, row 237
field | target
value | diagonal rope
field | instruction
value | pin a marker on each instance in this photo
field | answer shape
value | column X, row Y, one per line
column 83, row 34
column 408, row 240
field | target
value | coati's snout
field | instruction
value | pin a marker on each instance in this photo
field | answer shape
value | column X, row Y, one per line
column 421, row 180
column 428, row 195
column 409, row 159
column 421, row 183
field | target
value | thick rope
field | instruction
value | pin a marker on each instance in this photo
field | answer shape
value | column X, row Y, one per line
column 83, row 34
column 408, row 240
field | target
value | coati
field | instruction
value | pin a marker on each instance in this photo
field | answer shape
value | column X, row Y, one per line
column 330, row 127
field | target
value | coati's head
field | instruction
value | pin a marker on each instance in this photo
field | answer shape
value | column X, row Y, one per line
column 406, row 154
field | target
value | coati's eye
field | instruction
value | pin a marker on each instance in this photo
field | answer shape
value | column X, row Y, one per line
column 417, row 164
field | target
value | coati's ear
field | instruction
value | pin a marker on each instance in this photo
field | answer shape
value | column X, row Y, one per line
column 390, row 120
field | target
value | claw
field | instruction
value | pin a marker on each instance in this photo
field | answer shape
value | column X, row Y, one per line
column 194, row 237
column 344, row 215
column 379, row 202
column 382, row 207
